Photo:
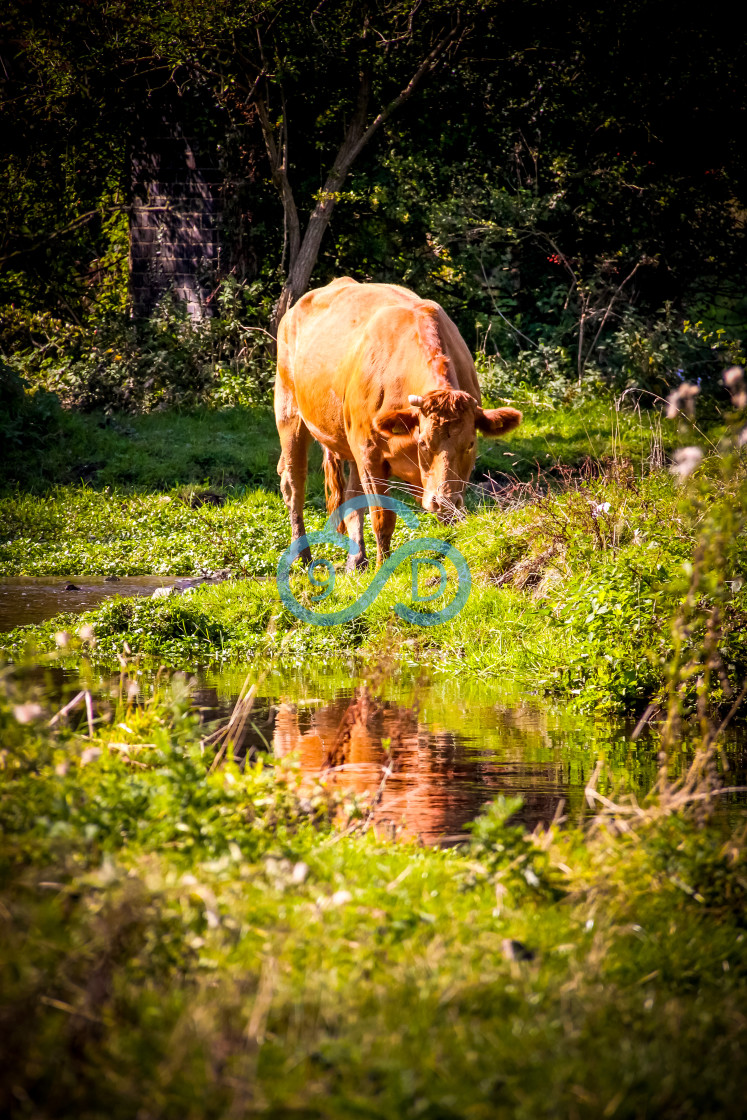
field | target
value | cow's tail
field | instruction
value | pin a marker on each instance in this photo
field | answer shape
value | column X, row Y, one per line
column 334, row 484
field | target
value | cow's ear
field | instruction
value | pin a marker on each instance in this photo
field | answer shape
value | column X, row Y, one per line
column 497, row 421
column 400, row 423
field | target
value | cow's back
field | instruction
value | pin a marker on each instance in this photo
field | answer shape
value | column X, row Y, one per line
column 320, row 331
column 369, row 345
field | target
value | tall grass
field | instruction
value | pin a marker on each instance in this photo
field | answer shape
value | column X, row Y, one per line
column 188, row 934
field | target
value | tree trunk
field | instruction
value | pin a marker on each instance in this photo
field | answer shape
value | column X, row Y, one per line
column 301, row 268
column 303, row 252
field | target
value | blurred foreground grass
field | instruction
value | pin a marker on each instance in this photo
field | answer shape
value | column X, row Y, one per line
column 184, row 936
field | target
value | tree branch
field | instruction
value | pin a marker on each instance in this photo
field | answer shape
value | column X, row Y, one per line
column 356, row 137
column 277, row 153
column 428, row 63
column 606, row 316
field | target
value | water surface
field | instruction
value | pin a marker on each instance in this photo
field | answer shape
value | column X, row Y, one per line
column 33, row 599
column 432, row 750
column 436, row 749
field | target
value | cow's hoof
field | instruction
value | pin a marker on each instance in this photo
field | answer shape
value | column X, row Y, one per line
column 356, row 564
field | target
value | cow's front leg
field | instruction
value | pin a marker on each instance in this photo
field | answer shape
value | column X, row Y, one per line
column 384, row 521
column 354, row 521
column 374, row 480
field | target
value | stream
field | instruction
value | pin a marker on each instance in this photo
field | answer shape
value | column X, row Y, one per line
column 32, row 599
column 434, row 749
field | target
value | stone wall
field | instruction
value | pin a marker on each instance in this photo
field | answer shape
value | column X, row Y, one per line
column 174, row 224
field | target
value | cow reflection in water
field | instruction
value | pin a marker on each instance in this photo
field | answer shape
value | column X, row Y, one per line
column 354, row 740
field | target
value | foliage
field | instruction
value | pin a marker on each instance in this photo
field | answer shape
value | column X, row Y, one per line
column 554, row 206
column 28, row 421
column 164, row 361
column 520, row 868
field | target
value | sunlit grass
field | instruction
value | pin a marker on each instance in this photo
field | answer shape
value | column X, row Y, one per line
column 571, row 592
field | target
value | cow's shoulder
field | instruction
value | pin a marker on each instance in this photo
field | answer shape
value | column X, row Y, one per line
column 318, row 299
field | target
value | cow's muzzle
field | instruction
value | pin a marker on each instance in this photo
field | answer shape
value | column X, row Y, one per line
column 447, row 508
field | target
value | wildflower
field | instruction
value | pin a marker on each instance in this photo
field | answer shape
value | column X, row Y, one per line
column 685, row 461
column 27, row 713
column 86, row 633
column 340, row 898
column 734, row 381
column 62, row 639
column 682, row 399
column 600, row 507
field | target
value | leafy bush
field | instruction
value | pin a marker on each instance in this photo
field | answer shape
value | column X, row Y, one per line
column 114, row 363
column 518, row 866
column 28, row 421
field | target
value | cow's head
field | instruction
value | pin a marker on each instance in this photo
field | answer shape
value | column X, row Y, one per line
column 442, row 426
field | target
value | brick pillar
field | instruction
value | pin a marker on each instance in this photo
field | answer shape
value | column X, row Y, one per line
column 174, row 220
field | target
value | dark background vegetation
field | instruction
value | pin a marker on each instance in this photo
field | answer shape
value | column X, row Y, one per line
column 568, row 180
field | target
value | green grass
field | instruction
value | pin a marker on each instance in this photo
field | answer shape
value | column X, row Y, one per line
column 187, row 941
column 573, row 589
column 239, row 447
column 81, row 531
column 157, row 451
column 567, row 597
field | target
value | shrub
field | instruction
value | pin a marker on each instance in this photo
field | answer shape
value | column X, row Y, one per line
column 28, row 420
column 115, row 363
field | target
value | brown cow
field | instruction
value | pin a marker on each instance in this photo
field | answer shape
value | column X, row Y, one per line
column 383, row 380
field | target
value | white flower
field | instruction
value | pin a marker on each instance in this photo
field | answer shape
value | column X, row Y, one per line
column 734, row 381
column 300, row 871
column 340, row 898
column 27, row 713
column 682, row 399
column 686, row 459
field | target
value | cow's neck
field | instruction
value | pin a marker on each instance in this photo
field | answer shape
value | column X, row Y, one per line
column 436, row 372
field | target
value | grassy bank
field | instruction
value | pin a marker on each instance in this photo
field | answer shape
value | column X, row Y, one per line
column 573, row 592
column 238, row 447
column 578, row 568
column 187, row 939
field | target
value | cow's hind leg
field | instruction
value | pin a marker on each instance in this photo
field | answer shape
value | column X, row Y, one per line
column 293, row 468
